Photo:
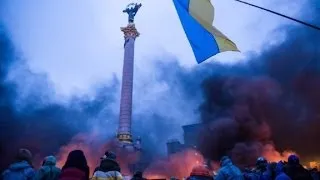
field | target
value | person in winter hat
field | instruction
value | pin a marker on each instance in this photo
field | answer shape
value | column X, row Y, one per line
column 48, row 170
column 21, row 169
column 108, row 155
column 228, row 171
column 108, row 169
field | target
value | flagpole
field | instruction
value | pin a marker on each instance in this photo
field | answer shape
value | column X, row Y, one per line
column 282, row 15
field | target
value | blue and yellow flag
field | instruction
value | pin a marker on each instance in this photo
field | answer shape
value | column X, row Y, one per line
column 196, row 17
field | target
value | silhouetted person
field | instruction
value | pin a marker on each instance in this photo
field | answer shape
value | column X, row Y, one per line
column 48, row 171
column 280, row 174
column 109, row 157
column 138, row 176
column 247, row 174
column 315, row 174
column 228, row 171
column 200, row 173
column 273, row 170
column 76, row 167
column 21, row 169
column 295, row 170
column 263, row 170
column 108, row 169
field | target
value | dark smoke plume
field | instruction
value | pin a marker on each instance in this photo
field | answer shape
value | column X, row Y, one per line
column 32, row 119
column 265, row 105
column 271, row 100
column 44, row 121
column 248, row 106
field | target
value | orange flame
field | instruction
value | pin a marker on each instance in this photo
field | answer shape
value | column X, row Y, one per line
column 94, row 149
column 178, row 165
column 272, row 155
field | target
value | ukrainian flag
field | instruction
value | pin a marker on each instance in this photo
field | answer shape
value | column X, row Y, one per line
column 196, row 17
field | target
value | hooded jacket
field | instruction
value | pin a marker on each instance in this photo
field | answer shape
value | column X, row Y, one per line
column 228, row 171
column 110, row 175
column 48, row 171
column 109, row 169
column 19, row 171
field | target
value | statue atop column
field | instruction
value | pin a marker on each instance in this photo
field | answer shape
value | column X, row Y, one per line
column 132, row 10
column 125, row 116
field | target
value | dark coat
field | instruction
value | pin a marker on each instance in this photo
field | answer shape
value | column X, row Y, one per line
column 72, row 174
column 297, row 172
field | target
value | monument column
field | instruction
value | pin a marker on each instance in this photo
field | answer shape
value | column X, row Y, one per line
column 130, row 34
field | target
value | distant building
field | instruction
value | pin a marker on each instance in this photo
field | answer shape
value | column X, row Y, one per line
column 191, row 135
column 174, row 146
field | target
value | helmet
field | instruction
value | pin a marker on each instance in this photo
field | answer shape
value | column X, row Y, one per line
column 261, row 163
column 293, row 159
column 261, row 160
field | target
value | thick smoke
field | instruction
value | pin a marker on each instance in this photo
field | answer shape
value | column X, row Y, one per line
column 263, row 106
column 270, row 101
column 31, row 114
column 250, row 107
column 32, row 120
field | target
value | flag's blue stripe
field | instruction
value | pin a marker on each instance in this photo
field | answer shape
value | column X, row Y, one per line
column 202, row 42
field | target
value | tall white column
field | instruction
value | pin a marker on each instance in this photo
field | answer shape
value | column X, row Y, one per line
column 124, row 131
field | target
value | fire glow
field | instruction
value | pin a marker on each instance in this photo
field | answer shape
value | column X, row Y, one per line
column 94, row 149
column 177, row 165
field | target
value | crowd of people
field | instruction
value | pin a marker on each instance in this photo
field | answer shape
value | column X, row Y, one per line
column 76, row 168
column 290, row 170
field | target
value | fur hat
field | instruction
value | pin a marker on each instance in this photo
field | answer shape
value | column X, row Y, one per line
column 24, row 155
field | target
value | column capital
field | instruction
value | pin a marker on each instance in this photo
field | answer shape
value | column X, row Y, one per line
column 124, row 137
column 130, row 31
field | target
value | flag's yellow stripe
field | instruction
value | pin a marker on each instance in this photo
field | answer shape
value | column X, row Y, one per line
column 203, row 12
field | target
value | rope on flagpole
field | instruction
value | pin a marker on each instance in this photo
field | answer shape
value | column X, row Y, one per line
column 282, row 15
